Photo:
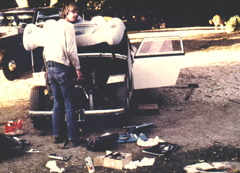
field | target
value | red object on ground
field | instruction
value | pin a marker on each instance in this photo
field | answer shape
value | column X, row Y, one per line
column 10, row 126
column 19, row 124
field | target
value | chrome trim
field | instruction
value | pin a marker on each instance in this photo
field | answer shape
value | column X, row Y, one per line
column 107, row 55
column 87, row 112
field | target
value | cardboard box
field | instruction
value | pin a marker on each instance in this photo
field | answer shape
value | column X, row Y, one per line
column 110, row 161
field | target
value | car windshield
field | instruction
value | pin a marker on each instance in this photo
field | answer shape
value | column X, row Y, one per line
column 15, row 19
column 44, row 15
column 84, row 28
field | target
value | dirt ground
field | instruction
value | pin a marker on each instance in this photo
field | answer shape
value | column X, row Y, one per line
column 206, row 127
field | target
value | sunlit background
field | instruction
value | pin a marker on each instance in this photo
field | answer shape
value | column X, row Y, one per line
column 146, row 14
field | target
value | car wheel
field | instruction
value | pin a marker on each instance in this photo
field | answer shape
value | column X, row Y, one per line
column 10, row 68
column 38, row 103
column 38, row 99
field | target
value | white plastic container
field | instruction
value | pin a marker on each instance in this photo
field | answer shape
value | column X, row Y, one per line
column 89, row 164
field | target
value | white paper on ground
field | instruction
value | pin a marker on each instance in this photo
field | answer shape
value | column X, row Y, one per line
column 144, row 162
column 150, row 142
column 221, row 165
column 52, row 165
column 206, row 167
column 147, row 161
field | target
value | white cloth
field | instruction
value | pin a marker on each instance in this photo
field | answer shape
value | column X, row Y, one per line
column 60, row 45
column 150, row 142
column 206, row 167
column 144, row 162
column 52, row 165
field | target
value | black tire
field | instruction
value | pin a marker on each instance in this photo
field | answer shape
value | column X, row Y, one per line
column 17, row 54
column 10, row 75
column 38, row 102
column 38, row 99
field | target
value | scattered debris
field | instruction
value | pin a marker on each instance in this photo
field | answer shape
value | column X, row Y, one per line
column 113, row 160
column 132, row 165
column 17, row 132
column 144, row 162
column 221, row 165
column 54, row 156
column 132, row 133
column 32, row 151
column 9, row 144
column 103, row 143
column 135, row 129
column 150, row 142
column 21, row 140
column 89, row 164
column 147, row 161
column 138, row 128
column 191, row 86
column 13, row 128
column 207, row 167
column 52, row 165
column 162, row 149
column 125, row 138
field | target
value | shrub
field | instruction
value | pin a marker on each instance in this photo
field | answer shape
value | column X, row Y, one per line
column 233, row 24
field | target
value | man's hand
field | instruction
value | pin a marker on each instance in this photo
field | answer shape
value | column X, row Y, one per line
column 46, row 74
column 79, row 75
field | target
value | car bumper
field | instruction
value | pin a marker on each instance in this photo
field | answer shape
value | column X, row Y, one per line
column 82, row 113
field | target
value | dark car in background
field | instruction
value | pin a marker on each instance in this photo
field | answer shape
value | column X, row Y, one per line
column 14, row 59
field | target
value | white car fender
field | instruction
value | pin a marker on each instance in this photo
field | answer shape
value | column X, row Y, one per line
column 110, row 32
column 33, row 37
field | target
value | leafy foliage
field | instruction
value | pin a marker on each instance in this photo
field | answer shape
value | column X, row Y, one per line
column 149, row 14
column 233, row 24
column 7, row 4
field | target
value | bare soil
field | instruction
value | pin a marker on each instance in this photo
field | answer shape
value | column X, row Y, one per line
column 206, row 127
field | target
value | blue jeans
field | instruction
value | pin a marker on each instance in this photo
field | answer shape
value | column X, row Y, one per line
column 62, row 82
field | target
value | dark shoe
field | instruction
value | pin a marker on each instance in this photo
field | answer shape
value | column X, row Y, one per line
column 58, row 140
column 74, row 143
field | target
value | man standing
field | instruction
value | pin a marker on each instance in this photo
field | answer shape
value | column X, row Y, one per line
column 60, row 53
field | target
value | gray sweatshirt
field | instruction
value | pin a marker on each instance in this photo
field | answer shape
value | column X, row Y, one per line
column 61, row 44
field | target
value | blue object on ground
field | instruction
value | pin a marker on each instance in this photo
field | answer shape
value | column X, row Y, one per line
column 126, row 138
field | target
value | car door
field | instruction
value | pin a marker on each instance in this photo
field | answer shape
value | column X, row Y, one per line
column 158, row 62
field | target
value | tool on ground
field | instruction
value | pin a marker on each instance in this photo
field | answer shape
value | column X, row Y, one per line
column 137, row 128
column 191, row 86
column 54, row 156
column 115, row 155
column 32, row 151
column 23, row 141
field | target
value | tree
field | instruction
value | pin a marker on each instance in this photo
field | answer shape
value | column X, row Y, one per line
column 7, row 4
